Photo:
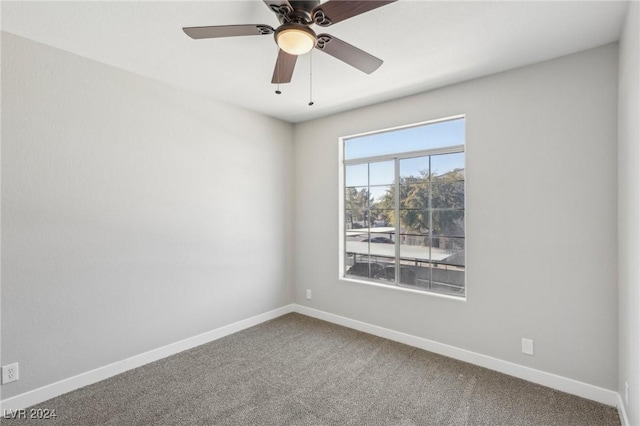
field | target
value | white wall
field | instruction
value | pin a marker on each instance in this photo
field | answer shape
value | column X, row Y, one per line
column 134, row 214
column 541, row 218
column 629, row 212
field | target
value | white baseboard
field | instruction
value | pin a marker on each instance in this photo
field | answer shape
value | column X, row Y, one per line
column 44, row 393
column 574, row 387
column 622, row 412
column 553, row 381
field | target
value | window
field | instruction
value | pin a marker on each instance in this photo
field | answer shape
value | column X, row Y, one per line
column 404, row 207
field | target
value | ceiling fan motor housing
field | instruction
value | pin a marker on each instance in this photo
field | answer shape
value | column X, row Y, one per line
column 307, row 5
column 295, row 11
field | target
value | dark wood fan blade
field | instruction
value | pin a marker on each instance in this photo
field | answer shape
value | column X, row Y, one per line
column 347, row 53
column 335, row 11
column 227, row 31
column 284, row 68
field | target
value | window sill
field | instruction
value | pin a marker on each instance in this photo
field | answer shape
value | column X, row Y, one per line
column 404, row 289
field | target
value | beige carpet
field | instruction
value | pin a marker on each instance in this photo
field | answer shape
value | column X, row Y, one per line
column 296, row 370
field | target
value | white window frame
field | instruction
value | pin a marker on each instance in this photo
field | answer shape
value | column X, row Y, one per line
column 396, row 157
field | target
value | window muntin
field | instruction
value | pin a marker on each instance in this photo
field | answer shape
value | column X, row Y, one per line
column 404, row 211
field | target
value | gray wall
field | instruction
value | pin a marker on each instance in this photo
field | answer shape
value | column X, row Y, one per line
column 629, row 212
column 134, row 214
column 541, row 218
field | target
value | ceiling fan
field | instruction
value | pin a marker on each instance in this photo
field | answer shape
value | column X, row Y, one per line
column 295, row 37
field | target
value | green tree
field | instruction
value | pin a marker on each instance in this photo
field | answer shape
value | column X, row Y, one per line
column 357, row 203
column 447, row 191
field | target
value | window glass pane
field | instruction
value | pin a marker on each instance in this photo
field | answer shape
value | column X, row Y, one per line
column 357, row 199
column 354, row 220
column 381, row 197
column 427, row 276
column 449, row 223
column 447, row 195
column 427, row 136
column 372, row 267
column 382, row 173
column 415, row 196
column 356, row 175
column 384, row 198
column 382, row 222
column 348, row 219
column 387, row 272
column 356, row 202
column 349, row 260
column 414, row 247
column 414, row 221
column 364, row 269
column 417, row 167
column 448, row 166
column 380, row 246
column 450, row 251
column 377, row 238
column 357, row 244
column 407, row 274
column 422, row 271
column 448, row 280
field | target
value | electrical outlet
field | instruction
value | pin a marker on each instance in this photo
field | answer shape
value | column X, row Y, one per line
column 10, row 373
column 527, row 346
column 626, row 394
column 308, row 294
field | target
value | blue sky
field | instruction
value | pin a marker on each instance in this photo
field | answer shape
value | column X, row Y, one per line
column 429, row 136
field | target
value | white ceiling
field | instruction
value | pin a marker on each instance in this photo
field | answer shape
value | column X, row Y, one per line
column 424, row 45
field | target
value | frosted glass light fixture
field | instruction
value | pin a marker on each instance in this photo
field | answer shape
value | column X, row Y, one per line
column 295, row 39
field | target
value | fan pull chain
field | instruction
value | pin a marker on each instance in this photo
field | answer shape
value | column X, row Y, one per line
column 278, row 73
column 311, row 78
